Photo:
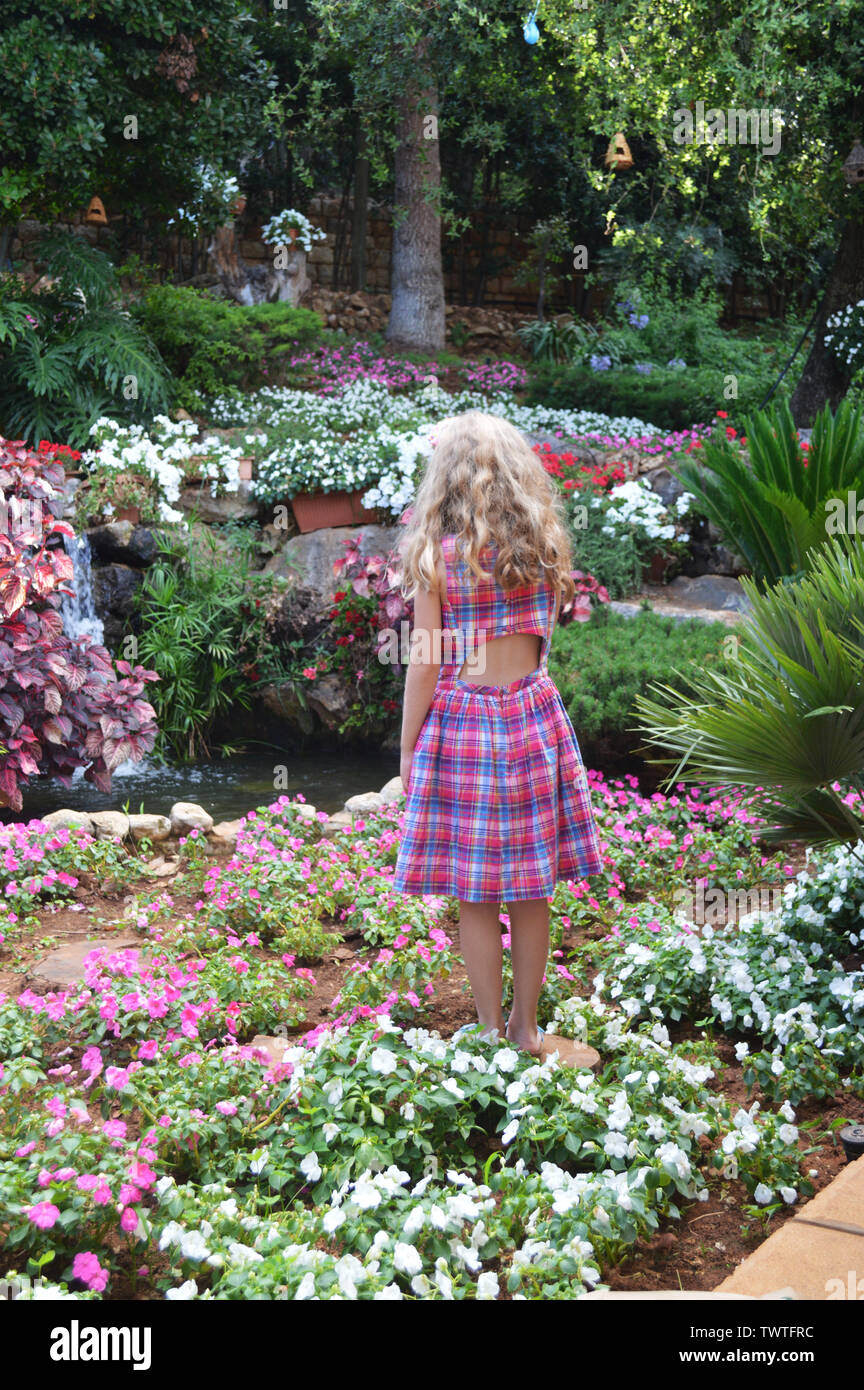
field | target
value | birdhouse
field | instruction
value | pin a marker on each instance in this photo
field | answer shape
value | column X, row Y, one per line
column 618, row 154
column 96, row 213
column 853, row 168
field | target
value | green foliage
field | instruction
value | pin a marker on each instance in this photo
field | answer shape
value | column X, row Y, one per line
column 200, row 627
column 69, row 353
column 775, row 510
column 211, row 344
column 787, row 715
column 668, row 398
column 601, row 666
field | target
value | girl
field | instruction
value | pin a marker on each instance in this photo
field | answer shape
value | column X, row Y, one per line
column 498, row 806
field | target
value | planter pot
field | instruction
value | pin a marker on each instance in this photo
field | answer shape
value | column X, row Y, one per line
column 245, row 468
column 313, row 511
column 655, row 570
column 132, row 514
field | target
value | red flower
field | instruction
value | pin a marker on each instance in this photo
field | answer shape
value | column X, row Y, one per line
column 722, row 414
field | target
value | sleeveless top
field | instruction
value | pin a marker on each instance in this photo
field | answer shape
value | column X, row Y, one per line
column 476, row 610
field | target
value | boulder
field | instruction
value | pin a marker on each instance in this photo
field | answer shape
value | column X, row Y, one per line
column 234, row 506
column 665, row 484
column 110, row 825
column 717, row 592
column 365, row 802
column 114, row 589
column 306, row 562
column 65, row 966
column 155, row 828
column 69, row 820
column 225, row 833
column 123, row 542
column 340, row 821
column 392, row 790
column 331, row 698
column 282, row 702
column 186, row 816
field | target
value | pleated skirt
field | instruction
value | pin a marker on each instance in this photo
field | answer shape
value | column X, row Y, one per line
column 498, row 805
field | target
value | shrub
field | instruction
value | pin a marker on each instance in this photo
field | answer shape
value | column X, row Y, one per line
column 210, row 344
column 668, row 397
column 601, row 666
column 787, row 716
column 61, row 704
column 68, row 352
column 775, row 509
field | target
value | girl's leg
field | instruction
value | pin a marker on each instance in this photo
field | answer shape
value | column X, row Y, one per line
column 482, row 951
column 529, row 951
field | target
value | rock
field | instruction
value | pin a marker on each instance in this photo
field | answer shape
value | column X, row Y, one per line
column 110, row 825
column 65, row 966
column 283, row 703
column 306, row 561
column 155, row 828
column 69, row 820
column 392, row 790
column 160, row 868
column 570, row 1053
column 365, row 802
column 339, row 822
column 665, row 484
column 331, row 698
column 305, row 809
column 714, row 592
column 114, row 589
column 124, row 542
column 226, row 832
column 186, row 816
column 272, row 1048
column 234, row 506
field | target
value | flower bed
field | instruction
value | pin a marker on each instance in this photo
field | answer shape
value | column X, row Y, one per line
column 147, row 1146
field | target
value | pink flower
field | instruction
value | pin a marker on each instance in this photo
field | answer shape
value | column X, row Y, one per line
column 87, row 1268
column 226, row 1107
column 43, row 1215
column 129, row 1219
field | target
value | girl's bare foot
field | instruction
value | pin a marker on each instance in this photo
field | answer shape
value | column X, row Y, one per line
column 526, row 1038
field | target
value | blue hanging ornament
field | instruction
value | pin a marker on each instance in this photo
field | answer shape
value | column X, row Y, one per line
column 531, row 33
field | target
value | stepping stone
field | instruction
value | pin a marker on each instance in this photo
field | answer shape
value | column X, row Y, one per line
column 570, row 1053
column 818, row 1261
column 273, row 1048
column 65, row 966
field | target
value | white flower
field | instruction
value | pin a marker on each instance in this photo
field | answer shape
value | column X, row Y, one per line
column 487, row 1286
column 763, row 1195
column 509, row 1134
column 407, row 1259
column 332, row 1220
column 506, row 1059
column 383, row 1061
column 183, row 1292
column 310, row 1167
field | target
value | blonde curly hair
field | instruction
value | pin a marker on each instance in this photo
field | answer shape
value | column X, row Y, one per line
column 485, row 485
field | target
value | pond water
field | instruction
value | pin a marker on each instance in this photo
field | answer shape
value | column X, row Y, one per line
column 226, row 787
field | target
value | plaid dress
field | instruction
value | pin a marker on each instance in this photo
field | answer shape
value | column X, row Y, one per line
column 498, row 804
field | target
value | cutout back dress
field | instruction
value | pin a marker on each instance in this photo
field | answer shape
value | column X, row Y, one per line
column 498, row 804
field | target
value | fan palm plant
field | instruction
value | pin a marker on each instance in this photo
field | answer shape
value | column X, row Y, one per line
column 774, row 510
column 786, row 716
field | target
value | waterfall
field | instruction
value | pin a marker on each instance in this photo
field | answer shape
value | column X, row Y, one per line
column 79, row 613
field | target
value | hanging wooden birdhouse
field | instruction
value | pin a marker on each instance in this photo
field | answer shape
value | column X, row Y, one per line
column 853, row 167
column 618, row 154
column 96, row 213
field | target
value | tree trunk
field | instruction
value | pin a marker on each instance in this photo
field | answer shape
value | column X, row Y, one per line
column 823, row 379
column 360, row 211
column 417, row 317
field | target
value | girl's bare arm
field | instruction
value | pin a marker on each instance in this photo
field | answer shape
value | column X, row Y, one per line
column 423, row 667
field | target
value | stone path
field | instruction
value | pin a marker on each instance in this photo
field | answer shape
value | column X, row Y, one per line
column 64, row 967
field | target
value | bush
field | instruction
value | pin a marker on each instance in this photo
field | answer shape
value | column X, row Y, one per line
column 601, row 666
column 68, row 352
column 61, row 704
column 210, row 344
column 777, row 508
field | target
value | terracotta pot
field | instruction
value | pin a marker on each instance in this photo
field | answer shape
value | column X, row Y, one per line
column 245, row 468
column 313, row 511
column 654, row 572
column 132, row 514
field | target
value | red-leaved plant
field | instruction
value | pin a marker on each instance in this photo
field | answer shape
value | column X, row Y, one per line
column 62, row 705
